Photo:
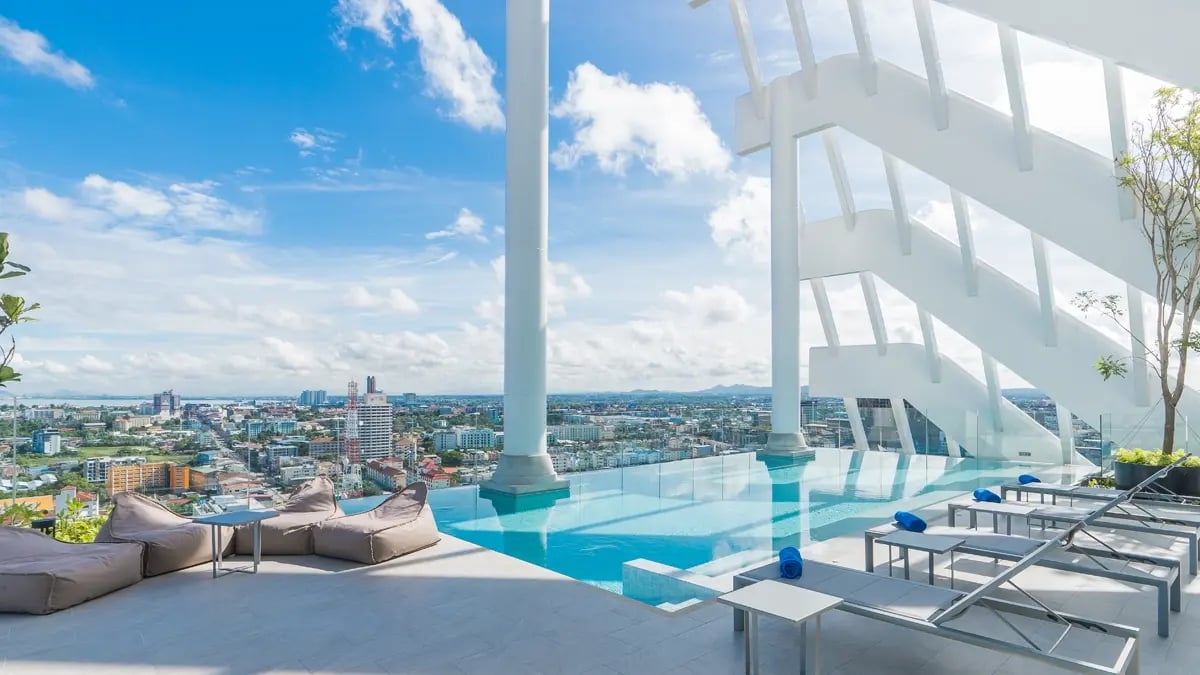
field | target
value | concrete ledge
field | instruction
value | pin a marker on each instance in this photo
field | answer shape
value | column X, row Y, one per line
column 669, row 588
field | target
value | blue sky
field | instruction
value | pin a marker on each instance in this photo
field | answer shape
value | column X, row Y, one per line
column 236, row 198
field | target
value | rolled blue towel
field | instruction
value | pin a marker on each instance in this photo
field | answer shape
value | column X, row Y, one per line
column 791, row 565
column 986, row 495
column 1027, row 478
column 910, row 521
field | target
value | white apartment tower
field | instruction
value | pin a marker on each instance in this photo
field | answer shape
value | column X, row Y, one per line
column 375, row 427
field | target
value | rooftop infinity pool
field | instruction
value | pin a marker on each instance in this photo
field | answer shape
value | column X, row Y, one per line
column 688, row 513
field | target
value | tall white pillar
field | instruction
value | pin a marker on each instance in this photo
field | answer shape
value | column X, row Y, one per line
column 786, row 436
column 524, row 465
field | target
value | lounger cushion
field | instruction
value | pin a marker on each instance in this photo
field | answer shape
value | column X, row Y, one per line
column 39, row 575
column 898, row 596
column 403, row 523
column 1026, row 479
column 910, row 521
column 172, row 542
column 290, row 533
column 986, row 495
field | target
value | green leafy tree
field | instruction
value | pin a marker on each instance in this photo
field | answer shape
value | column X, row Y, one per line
column 13, row 310
column 75, row 528
column 1162, row 173
column 18, row 514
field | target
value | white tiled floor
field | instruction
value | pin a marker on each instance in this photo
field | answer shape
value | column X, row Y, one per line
column 462, row 610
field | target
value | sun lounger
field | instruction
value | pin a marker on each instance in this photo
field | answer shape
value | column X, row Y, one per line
column 936, row 610
column 1176, row 526
column 1162, row 574
column 1148, row 497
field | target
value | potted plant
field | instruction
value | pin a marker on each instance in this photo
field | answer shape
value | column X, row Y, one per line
column 1136, row 465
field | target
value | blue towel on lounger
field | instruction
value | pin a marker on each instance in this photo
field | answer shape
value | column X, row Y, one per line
column 910, row 521
column 986, row 495
column 1026, row 479
column 791, row 565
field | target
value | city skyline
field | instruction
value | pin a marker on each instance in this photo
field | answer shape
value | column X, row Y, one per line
column 313, row 237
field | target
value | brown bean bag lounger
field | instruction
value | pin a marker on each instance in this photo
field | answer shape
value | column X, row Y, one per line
column 172, row 541
column 290, row 533
column 403, row 523
column 39, row 575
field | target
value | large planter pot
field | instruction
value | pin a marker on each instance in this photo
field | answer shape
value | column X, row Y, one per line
column 1129, row 475
column 1184, row 480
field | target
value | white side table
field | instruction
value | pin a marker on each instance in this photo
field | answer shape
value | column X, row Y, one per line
column 783, row 601
column 233, row 519
column 933, row 544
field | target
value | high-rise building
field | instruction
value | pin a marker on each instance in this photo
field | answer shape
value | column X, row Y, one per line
column 47, row 441
column 375, row 424
column 167, row 403
column 312, row 397
column 410, row 397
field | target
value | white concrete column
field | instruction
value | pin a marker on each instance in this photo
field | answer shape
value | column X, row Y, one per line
column 524, row 465
column 786, row 435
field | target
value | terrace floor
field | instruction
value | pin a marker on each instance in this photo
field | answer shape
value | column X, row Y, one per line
column 459, row 609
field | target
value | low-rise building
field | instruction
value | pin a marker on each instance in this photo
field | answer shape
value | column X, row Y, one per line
column 388, row 475
column 297, row 469
column 445, row 440
column 576, row 432
column 47, row 441
column 96, row 469
column 148, row 476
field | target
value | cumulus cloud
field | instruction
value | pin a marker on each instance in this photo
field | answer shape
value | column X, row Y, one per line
column 32, row 51
column 712, row 304
column 389, row 300
column 180, row 207
column 564, row 285
column 466, row 225
column 124, row 200
column 407, row 349
column 311, row 142
column 89, row 364
column 617, row 122
column 741, row 223
column 456, row 68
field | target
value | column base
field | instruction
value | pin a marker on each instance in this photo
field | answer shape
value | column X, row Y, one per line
column 523, row 475
column 781, row 444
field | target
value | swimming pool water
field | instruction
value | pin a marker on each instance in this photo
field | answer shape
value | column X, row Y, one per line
column 691, row 512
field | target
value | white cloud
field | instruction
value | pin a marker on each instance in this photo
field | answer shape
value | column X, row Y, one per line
column 466, row 225
column 456, row 68
column 311, row 142
column 181, row 207
column 741, row 224
column 123, row 199
column 89, row 364
column 391, row 300
column 32, row 51
column 411, row 350
column 564, row 285
column 712, row 304
column 617, row 121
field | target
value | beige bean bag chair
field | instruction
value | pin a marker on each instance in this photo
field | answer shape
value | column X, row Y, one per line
column 403, row 523
column 172, row 542
column 39, row 575
column 291, row 532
